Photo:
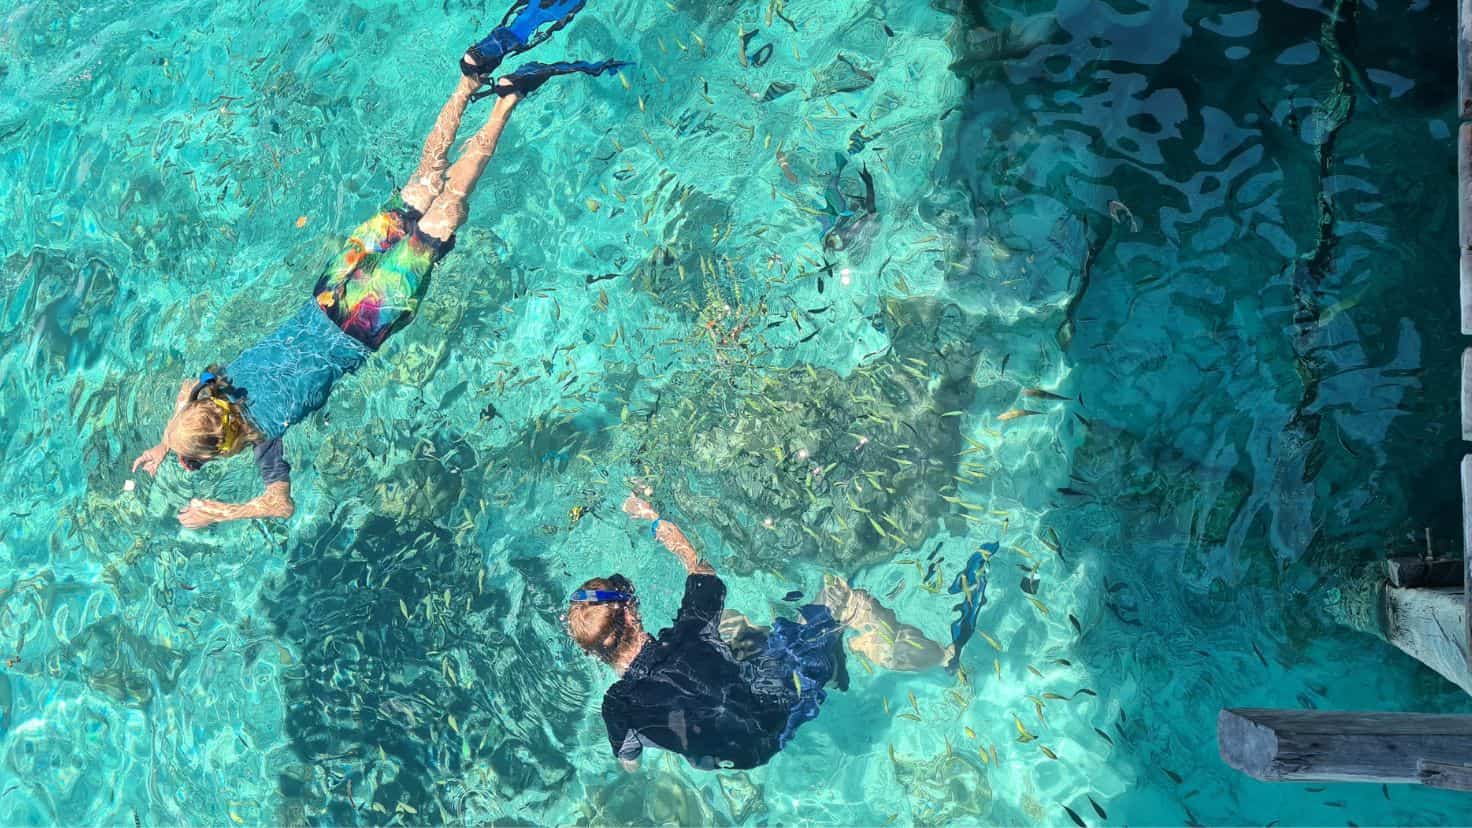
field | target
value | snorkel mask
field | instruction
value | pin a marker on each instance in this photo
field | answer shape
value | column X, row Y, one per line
column 213, row 387
column 622, row 593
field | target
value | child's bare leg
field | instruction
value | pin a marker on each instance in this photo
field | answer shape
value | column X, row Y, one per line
column 449, row 208
column 882, row 638
column 429, row 178
column 743, row 637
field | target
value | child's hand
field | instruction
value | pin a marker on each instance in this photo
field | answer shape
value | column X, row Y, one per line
column 201, row 513
column 151, row 459
column 639, row 509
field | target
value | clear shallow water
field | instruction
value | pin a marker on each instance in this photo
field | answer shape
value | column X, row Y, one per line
column 1119, row 203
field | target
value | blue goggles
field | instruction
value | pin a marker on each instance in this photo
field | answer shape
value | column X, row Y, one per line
column 600, row 596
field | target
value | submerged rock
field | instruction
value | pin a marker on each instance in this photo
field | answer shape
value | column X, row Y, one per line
column 665, row 799
column 949, row 789
column 843, row 74
column 805, row 463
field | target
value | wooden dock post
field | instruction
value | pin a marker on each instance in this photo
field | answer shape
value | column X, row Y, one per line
column 1429, row 624
column 1464, row 240
column 1464, row 54
column 1416, row 603
column 1467, row 557
column 1314, row 745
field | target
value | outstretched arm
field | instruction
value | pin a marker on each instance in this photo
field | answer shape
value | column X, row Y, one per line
column 150, row 460
column 275, row 503
column 669, row 535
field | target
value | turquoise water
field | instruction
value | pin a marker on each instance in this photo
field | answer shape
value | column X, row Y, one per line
column 1224, row 231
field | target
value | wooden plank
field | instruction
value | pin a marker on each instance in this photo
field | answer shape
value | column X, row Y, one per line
column 1430, row 626
column 1466, row 386
column 1444, row 775
column 1464, row 72
column 1315, row 745
column 1466, row 277
column 1464, row 216
column 1419, row 572
column 1464, row 187
column 1467, row 555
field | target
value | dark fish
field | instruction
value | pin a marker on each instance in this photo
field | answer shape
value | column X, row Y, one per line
column 1077, row 820
column 1192, row 821
column 1082, row 420
column 795, row 595
column 1315, row 462
column 1040, row 394
column 1072, row 492
column 1087, row 692
column 806, row 338
column 1334, row 803
column 1271, row 824
column 887, row 30
column 1003, row 372
column 760, row 57
column 1385, row 789
column 1077, row 627
column 1174, row 777
column 1260, row 656
column 1065, row 662
column 1030, row 584
column 454, row 394
column 1098, row 810
column 1104, row 736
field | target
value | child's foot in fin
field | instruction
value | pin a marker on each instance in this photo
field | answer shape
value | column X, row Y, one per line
column 521, row 29
column 530, row 77
column 482, row 59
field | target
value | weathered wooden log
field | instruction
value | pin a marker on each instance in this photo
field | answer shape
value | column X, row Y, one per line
column 1443, row 775
column 1464, row 72
column 1419, row 572
column 1467, row 557
column 1464, row 211
column 1466, row 277
column 1466, row 377
column 1309, row 745
column 1430, row 625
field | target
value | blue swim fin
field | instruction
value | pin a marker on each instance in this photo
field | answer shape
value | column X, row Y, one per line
column 971, row 584
column 529, row 76
column 518, row 32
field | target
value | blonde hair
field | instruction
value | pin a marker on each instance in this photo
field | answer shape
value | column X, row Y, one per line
column 599, row 628
column 198, row 430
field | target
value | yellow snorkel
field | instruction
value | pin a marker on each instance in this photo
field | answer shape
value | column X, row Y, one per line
column 229, row 426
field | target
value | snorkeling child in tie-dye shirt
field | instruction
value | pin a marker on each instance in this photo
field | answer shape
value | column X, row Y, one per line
column 370, row 289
